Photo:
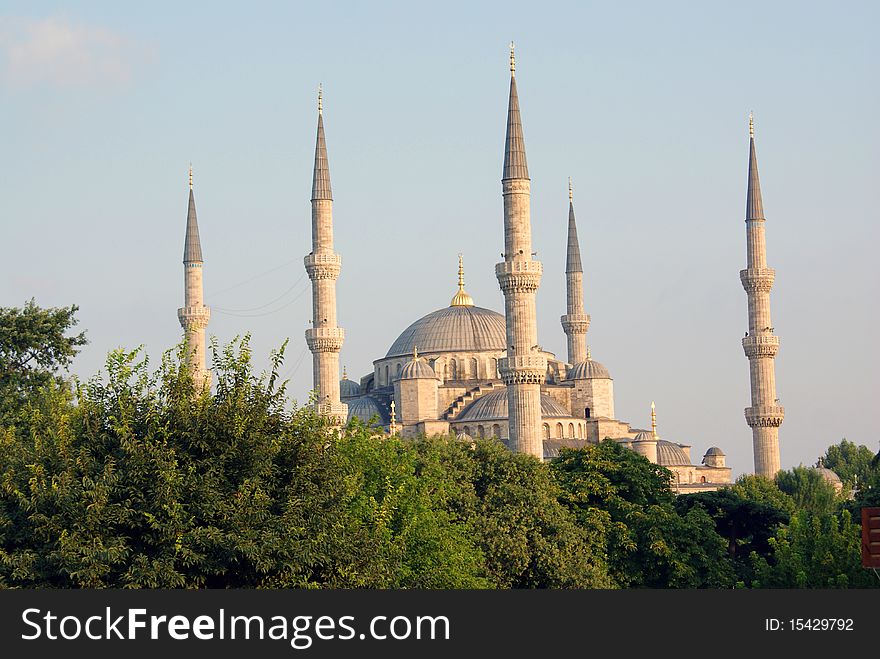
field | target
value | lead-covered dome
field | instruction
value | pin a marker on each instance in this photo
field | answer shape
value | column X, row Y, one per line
column 493, row 406
column 348, row 388
column 453, row 329
column 365, row 408
column 417, row 369
column 587, row 370
column 670, row 454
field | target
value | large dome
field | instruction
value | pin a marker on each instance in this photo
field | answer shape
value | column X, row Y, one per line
column 453, row 329
column 493, row 406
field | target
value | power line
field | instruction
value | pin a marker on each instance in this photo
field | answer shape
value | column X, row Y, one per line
column 262, row 306
column 255, row 277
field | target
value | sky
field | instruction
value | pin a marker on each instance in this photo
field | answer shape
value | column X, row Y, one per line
column 644, row 105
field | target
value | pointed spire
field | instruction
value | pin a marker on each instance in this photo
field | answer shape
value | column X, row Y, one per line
column 573, row 257
column 461, row 298
column 754, row 204
column 344, row 373
column 515, row 166
column 589, row 356
column 653, row 420
column 321, row 176
column 192, row 246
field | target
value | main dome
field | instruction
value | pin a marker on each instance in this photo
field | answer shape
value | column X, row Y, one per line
column 453, row 329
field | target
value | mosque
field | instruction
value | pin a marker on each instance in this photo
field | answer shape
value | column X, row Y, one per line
column 474, row 372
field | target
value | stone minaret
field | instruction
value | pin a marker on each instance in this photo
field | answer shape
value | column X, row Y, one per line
column 524, row 368
column 194, row 315
column 324, row 338
column 760, row 344
column 574, row 323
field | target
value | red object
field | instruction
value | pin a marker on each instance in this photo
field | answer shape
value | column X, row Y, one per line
column 871, row 537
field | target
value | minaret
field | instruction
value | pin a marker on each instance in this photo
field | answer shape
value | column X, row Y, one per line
column 760, row 344
column 524, row 368
column 194, row 315
column 324, row 338
column 575, row 322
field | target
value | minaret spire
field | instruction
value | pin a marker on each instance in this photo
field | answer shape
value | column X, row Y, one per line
column 194, row 315
column 323, row 265
column 524, row 368
column 575, row 322
column 461, row 298
column 760, row 344
column 653, row 420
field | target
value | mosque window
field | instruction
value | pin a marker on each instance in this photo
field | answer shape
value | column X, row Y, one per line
column 546, row 431
column 399, row 367
column 493, row 368
column 571, row 430
column 467, row 430
column 496, row 431
column 559, row 432
column 387, row 376
column 481, row 432
column 453, row 369
column 586, row 412
column 474, row 371
column 702, row 479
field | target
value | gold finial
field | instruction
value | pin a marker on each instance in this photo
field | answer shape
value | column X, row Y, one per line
column 415, row 353
column 512, row 60
column 344, row 373
column 190, row 176
column 570, row 191
column 751, row 124
column 461, row 298
column 653, row 420
column 320, row 98
column 589, row 357
column 392, row 428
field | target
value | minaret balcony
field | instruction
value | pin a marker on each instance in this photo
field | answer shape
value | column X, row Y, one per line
column 523, row 369
column 522, row 276
column 765, row 416
column 194, row 317
column 575, row 323
column 757, row 280
column 325, row 339
column 323, row 265
column 761, row 345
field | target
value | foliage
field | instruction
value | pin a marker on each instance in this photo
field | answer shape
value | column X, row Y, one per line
column 853, row 463
column 649, row 544
column 815, row 551
column 808, row 490
column 33, row 346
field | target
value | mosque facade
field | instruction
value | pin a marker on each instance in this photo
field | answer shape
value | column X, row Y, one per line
column 473, row 372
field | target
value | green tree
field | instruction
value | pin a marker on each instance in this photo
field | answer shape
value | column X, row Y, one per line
column 808, row 490
column 853, row 463
column 649, row 544
column 815, row 551
column 34, row 347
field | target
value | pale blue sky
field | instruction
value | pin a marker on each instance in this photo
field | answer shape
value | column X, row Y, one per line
column 103, row 105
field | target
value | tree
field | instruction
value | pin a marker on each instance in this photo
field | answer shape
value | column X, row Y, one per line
column 815, row 551
column 851, row 462
column 649, row 544
column 34, row 346
column 808, row 490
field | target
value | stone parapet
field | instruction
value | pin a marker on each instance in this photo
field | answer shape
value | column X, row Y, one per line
column 757, row 280
column 523, row 369
column 761, row 345
column 765, row 416
column 323, row 265
column 520, row 276
column 325, row 339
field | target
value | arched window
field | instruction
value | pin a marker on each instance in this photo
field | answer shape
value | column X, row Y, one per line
column 496, row 431
column 493, row 368
column 702, row 479
column 571, row 430
column 559, row 433
column 453, row 369
column 546, row 431
column 481, row 432
column 586, row 412
column 474, row 372
column 467, row 430
column 399, row 368
column 387, row 375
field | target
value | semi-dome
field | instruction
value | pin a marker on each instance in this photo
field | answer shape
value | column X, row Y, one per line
column 365, row 408
column 670, row 454
column 417, row 369
column 587, row 370
column 349, row 388
column 453, row 329
column 493, row 406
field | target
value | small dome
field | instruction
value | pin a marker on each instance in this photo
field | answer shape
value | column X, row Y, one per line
column 670, row 454
column 828, row 475
column 365, row 408
column 587, row 370
column 417, row 369
column 349, row 388
column 715, row 451
column 493, row 406
column 644, row 436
